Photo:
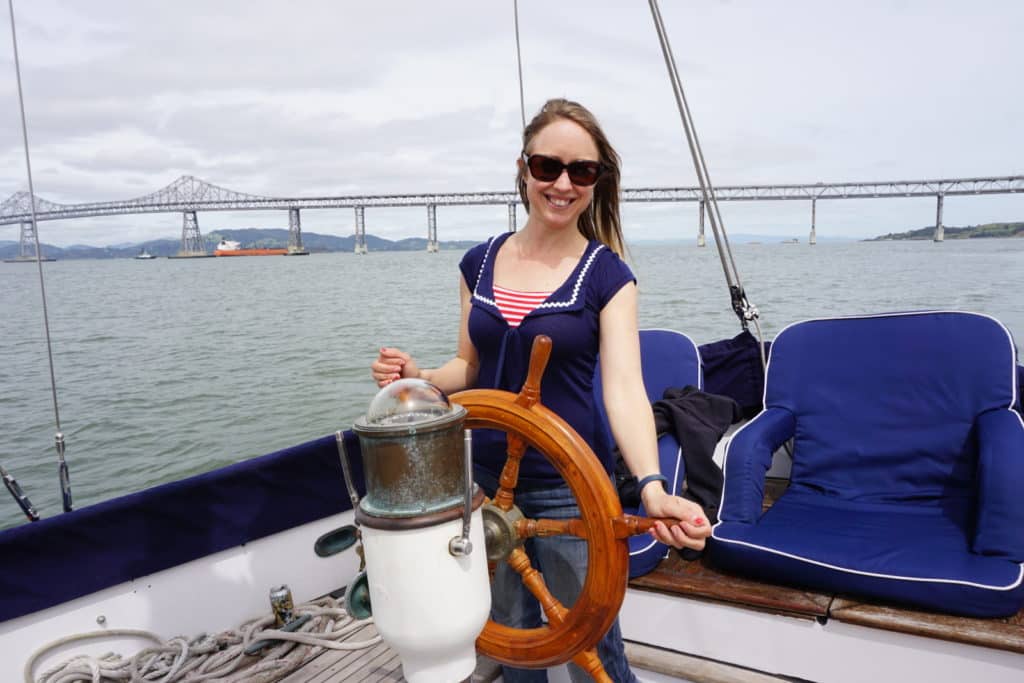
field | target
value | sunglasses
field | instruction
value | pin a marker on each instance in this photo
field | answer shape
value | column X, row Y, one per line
column 547, row 169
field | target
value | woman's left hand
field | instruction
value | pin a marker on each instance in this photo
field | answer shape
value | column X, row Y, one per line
column 693, row 526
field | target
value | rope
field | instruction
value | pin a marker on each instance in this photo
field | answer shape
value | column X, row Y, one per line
column 65, row 485
column 208, row 659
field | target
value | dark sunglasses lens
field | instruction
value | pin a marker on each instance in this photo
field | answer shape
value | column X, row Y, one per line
column 584, row 173
column 545, row 169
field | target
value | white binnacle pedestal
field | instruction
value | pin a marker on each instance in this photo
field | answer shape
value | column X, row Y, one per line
column 429, row 605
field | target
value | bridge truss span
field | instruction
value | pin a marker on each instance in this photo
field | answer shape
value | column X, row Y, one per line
column 846, row 190
column 189, row 194
column 192, row 194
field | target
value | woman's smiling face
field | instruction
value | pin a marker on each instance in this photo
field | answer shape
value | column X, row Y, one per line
column 558, row 204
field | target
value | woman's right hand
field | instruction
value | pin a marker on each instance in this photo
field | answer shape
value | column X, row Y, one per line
column 392, row 364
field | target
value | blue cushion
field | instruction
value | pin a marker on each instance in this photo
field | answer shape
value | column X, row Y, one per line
column 667, row 359
column 644, row 551
column 897, row 458
column 920, row 557
column 1000, row 525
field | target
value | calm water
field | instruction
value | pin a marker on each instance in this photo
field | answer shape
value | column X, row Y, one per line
column 167, row 368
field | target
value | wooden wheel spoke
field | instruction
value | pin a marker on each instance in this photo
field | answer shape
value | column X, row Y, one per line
column 529, row 528
column 534, row 582
column 504, row 497
column 529, row 395
column 634, row 525
column 591, row 663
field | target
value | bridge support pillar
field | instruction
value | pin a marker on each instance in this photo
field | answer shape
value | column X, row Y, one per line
column 432, row 246
column 512, row 217
column 940, row 232
column 360, row 231
column 295, row 247
column 813, row 239
column 701, row 241
column 27, row 246
column 192, row 243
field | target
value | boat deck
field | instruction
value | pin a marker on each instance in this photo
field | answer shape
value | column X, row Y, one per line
column 377, row 664
column 697, row 580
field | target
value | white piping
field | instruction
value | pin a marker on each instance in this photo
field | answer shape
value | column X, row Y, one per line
column 919, row 579
column 675, row 488
column 898, row 314
column 547, row 304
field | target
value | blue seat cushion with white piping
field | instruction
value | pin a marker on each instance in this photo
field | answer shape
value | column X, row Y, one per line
column 905, row 461
column 667, row 359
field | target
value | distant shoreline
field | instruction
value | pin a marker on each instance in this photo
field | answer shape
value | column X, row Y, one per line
column 985, row 231
column 319, row 243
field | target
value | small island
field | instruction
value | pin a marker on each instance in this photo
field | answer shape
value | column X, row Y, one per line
column 954, row 233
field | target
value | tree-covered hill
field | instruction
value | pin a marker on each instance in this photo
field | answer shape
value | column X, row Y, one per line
column 248, row 237
column 954, row 233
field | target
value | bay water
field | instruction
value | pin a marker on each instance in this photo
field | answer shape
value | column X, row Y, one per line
column 168, row 368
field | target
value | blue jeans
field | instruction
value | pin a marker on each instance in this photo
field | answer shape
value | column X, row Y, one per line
column 563, row 562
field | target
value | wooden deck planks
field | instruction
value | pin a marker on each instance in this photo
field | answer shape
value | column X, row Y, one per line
column 1000, row 634
column 335, row 665
column 376, row 664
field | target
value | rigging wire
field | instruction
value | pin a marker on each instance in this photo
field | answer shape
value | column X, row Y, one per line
column 519, row 63
column 65, row 479
column 744, row 310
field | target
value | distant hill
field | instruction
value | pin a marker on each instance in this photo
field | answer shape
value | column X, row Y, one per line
column 954, row 233
column 248, row 237
column 745, row 238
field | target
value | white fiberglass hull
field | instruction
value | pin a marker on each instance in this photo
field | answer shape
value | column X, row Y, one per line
column 217, row 592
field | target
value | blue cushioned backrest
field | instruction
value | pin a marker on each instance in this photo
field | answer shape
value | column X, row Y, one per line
column 667, row 359
column 885, row 405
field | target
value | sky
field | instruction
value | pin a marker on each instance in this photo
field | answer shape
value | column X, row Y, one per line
column 343, row 98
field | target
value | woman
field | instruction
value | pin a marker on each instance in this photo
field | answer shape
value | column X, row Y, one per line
column 561, row 275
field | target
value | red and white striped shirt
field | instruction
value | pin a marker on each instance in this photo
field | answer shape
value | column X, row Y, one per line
column 515, row 305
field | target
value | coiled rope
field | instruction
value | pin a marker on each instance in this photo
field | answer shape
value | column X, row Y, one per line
column 212, row 659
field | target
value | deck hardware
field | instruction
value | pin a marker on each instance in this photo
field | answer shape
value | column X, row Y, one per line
column 500, row 534
column 346, row 469
column 19, row 495
column 336, row 541
column 419, row 521
column 357, row 598
column 460, row 546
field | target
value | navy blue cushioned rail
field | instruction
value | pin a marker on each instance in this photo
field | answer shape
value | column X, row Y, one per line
column 77, row 553
column 668, row 359
column 908, row 464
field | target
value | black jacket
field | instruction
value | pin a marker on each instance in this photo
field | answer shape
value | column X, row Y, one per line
column 697, row 420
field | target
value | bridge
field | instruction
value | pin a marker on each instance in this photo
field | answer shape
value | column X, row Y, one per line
column 189, row 195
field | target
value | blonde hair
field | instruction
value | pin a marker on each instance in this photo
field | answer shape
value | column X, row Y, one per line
column 601, row 220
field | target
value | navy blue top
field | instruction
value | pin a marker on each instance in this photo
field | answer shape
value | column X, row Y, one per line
column 570, row 316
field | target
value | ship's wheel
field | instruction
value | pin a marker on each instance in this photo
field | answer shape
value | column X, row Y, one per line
column 570, row 633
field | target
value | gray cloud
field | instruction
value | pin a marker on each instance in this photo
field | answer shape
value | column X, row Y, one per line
column 325, row 97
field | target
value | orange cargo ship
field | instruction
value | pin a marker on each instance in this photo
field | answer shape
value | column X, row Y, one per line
column 232, row 248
